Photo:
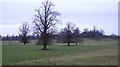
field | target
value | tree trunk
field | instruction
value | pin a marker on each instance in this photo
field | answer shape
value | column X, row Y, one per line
column 45, row 43
column 44, row 47
column 24, row 43
column 68, row 37
column 76, row 42
column 68, row 43
column 45, row 39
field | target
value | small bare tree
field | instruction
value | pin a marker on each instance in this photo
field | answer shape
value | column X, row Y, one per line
column 76, row 33
column 69, row 30
column 24, row 29
column 45, row 19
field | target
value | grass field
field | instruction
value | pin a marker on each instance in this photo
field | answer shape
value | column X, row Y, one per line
column 91, row 52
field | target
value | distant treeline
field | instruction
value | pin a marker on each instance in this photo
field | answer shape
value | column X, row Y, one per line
column 60, row 36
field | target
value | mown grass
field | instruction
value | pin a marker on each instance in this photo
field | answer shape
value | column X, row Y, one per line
column 15, row 53
column 97, row 60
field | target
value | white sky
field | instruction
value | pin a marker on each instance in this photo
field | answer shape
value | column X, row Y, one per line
column 84, row 13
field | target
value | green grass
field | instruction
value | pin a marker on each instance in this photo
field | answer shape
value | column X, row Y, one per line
column 15, row 52
column 98, row 60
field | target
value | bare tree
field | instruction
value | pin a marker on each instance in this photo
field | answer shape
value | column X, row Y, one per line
column 45, row 19
column 24, row 29
column 76, row 33
column 69, row 30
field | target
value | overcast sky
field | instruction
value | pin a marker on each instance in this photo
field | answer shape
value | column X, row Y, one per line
column 84, row 13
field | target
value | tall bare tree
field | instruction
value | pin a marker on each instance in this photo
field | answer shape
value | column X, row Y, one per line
column 24, row 30
column 45, row 19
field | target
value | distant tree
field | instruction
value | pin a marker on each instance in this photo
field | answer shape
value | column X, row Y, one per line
column 98, row 34
column 84, row 34
column 76, row 33
column 102, row 31
column 85, row 30
column 24, row 30
column 68, row 32
column 7, row 37
column 94, row 32
column 114, row 36
column 61, row 36
column 45, row 19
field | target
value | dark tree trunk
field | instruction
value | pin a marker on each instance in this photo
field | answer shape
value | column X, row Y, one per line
column 24, row 43
column 68, row 38
column 68, row 43
column 45, row 37
column 44, row 47
column 76, row 42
